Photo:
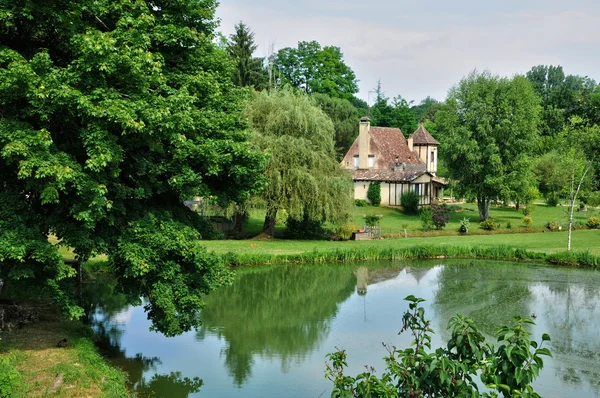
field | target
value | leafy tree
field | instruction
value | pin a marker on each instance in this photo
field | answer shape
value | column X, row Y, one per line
column 426, row 109
column 345, row 119
column 397, row 114
column 303, row 174
column 113, row 113
column 449, row 371
column 248, row 71
column 316, row 69
column 489, row 126
column 374, row 193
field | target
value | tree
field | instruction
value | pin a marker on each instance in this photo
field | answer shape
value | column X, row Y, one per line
column 248, row 70
column 399, row 114
column 345, row 118
column 113, row 113
column 317, row 69
column 303, row 174
column 489, row 126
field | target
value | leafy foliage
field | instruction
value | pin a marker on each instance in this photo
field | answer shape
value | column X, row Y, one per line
column 426, row 217
column 490, row 128
column 303, row 174
column 113, row 113
column 360, row 203
column 440, row 216
column 305, row 228
column 410, row 202
column 593, row 223
column 489, row 224
column 397, row 114
column 248, row 70
column 372, row 220
column 317, row 69
column 374, row 193
column 345, row 119
column 417, row 371
column 465, row 224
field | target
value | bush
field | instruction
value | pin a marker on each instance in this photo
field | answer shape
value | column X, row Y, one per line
column 593, row 223
column 374, row 193
column 553, row 225
column 305, row 229
column 527, row 221
column 410, row 202
column 344, row 231
column 508, row 225
column 10, row 378
column 360, row 203
column 528, row 209
column 426, row 216
column 372, row 220
column 465, row 224
column 552, row 199
column 440, row 216
column 489, row 224
column 419, row 371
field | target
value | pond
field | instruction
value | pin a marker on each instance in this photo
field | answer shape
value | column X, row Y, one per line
column 267, row 335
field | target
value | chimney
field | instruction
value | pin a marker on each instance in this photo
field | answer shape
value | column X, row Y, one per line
column 410, row 143
column 364, row 142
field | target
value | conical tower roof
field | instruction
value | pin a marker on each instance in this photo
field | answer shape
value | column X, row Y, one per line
column 422, row 137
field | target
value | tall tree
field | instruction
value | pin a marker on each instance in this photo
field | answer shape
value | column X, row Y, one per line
column 316, row 69
column 112, row 113
column 303, row 174
column 490, row 128
column 397, row 114
column 248, row 70
column 345, row 118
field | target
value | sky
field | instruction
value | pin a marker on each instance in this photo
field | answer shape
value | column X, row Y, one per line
column 422, row 48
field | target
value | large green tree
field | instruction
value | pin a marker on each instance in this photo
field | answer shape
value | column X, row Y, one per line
column 112, row 113
column 397, row 114
column 490, row 129
column 248, row 70
column 303, row 175
column 345, row 118
column 316, row 69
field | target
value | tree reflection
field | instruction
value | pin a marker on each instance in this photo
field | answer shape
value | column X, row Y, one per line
column 103, row 306
column 282, row 311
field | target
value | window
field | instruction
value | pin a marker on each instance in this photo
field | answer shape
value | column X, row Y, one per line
column 371, row 161
column 356, row 162
column 432, row 156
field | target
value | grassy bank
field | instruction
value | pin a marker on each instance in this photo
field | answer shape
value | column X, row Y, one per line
column 32, row 366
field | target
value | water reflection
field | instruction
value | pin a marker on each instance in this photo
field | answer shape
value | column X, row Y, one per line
column 281, row 312
column 107, row 312
column 267, row 335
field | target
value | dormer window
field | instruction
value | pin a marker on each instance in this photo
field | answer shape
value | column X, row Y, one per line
column 371, row 161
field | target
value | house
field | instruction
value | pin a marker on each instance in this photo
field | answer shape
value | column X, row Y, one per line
column 382, row 154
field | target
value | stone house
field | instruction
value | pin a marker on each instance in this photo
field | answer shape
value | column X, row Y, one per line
column 382, row 154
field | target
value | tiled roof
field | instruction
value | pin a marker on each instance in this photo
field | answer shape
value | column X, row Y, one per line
column 422, row 137
column 389, row 147
column 387, row 175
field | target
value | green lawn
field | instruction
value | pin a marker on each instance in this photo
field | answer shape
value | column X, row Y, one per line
column 544, row 242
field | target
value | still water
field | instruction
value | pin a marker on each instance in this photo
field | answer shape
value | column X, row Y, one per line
column 267, row 335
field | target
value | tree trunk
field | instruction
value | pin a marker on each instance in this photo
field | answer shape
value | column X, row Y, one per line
column 573, row 197
column 238, row 221
column 1, row 286
column 270, row 217
column 483, row 204
column 517, row 205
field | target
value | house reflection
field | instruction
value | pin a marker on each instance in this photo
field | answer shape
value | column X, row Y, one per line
column 366, row 276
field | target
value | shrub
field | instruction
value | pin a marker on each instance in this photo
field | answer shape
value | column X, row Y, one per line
column 465, row 224
column 527, row 210
column 410, row 202
column 360, row 203
column 374, row 193
column 593, row 223
column 426, row 216
column 10, row 377
column 372, row 220
column 452, row 370
column 527, row 221
column 344, row 231
column 440, row 216
column 508, row 225
column 305, row 229
column 489, row 224
column 552, row 199
column 553, row 225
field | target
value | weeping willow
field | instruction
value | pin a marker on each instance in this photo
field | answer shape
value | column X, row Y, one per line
column 303, row 175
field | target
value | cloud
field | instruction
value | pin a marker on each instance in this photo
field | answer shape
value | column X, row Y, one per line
column 424, row 51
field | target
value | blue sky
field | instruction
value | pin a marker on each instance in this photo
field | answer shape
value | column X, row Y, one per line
column 421, row 48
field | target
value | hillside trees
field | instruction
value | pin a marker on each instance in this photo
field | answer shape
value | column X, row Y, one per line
column 303, row 174
column 316, row 69
column 490, row 127
column 114, row 112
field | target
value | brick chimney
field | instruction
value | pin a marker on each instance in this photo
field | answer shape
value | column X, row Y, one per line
column 364, row 141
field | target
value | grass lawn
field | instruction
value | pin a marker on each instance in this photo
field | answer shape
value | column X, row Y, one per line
column 543, row 242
